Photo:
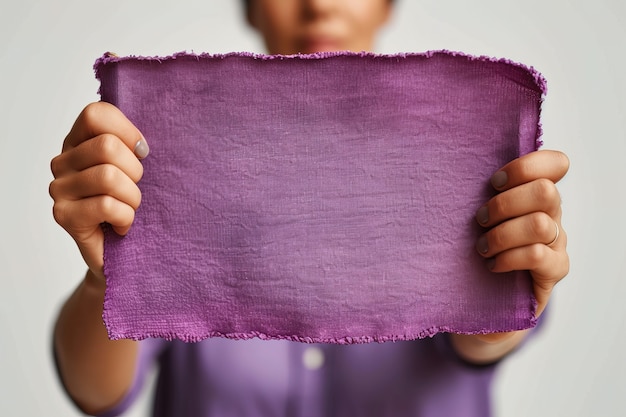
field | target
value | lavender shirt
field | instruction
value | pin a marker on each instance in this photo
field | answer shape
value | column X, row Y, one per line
column 221, row 377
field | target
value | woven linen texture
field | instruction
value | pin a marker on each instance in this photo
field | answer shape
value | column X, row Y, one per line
column 317, row 198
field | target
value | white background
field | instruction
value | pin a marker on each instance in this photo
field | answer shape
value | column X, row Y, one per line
column 576, row 367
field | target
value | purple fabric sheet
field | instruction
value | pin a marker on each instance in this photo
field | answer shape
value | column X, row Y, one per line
column 317, row 198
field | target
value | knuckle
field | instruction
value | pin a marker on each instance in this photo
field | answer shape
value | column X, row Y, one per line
column 107, row 176
column 115, row 211
column 547, row 193
column 107, row 145
column 558, row 271
column 525, row 168
column 100, row 180
column 54, row 166
column 542, row 226
column 536, row 254
column 59, row 213
column 498, row 205
column 496, row 238
column 93, row 111
column 107, row 205
column 53, row 189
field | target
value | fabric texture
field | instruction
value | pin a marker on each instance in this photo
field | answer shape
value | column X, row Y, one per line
column 316, row 198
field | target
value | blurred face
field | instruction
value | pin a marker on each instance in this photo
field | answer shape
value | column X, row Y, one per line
column 307, row 26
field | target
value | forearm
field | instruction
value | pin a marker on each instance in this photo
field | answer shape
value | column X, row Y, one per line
column 489, row 348
column 96, row 371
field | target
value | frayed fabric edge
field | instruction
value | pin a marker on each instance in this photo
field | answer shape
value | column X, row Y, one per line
column 109, row 57
column 346, row 340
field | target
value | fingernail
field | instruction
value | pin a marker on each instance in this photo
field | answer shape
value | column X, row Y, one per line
column 499, row 179
column 141, row 148
column 482, row 215
column 482, row 245
column 491, row 263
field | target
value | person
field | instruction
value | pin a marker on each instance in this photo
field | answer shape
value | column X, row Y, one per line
column 95, row 181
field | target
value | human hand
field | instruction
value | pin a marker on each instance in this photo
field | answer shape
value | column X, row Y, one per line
column 525, row 222
column 525, row 233
column 95, row 179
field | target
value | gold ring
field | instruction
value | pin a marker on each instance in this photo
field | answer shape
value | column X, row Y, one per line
column 556, row 237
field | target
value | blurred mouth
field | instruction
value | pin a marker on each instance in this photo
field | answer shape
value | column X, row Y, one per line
column 311, row 45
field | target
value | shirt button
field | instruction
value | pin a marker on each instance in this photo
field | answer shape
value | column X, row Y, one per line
column 313, row 358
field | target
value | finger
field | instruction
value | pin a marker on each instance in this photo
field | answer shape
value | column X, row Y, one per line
column 538, row 195
column 532, row 228
column 101, row 150
column 82, row 218
column 546, row 265
column 100, row 118
column 552, row 165
column 97, row 181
